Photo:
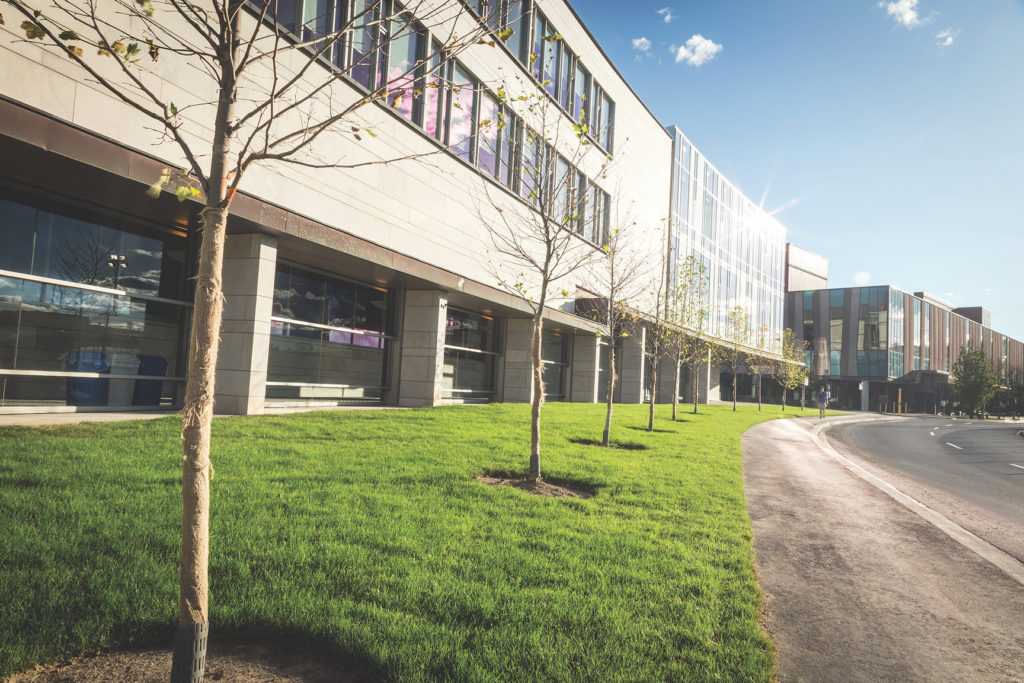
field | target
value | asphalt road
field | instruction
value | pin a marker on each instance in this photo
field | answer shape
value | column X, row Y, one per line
column 971, row 471
column 858, row 586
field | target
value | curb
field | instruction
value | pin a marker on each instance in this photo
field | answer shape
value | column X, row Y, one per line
column 1009, row 564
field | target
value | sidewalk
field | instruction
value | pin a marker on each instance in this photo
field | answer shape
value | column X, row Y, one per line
column 859, row 588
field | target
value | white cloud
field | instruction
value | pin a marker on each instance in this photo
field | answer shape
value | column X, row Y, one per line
column 862, row 278
column 666, row 14
column 904, row 11
column 945, row 37
column 697, row 50
column 641, row 44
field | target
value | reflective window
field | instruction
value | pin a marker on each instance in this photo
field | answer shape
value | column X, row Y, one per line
column 461, row 127
column 488, row 131
column 435, row 95
column 365, row 39
column 555, row 357
column 406, row 49
column 469, row 356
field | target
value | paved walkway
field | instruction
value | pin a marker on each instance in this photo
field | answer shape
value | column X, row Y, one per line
column 858, row 587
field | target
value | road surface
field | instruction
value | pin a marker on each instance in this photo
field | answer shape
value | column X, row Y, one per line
column 859, row 586
column 971, row 471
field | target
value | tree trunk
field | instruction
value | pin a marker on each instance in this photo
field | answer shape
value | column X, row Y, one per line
column 696, row 386
column 654, row 390
column 735, row 376
column 760, row 386
column 188, row 663
column 783, row 399
column 675, row 390
column 189, row 659
column 606, row 437
column 537, row 368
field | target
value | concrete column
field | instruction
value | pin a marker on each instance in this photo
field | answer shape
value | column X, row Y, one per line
column 586, row 358
column 250, row 263
column 421, row 377
column 632, row 368
column 516, row 386
column 666, row 380
column 864, row 394
column 708, row 389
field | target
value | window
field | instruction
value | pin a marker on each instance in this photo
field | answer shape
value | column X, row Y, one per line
column 327, row 338
column 561, row 190
column 469, row 356
column 518, row 21
column 531, row 166
column 118, row 306
column 366, row 38
column 406, row 50
column 489, row 131
column 460, row 122
column 584, row 208
column 508, row 147
column 552, row 59
column 581, row 86
column 316, row 19
column 555, row 359
column 565, row 72
column 605, row 123
column 537, row 55
column 435, row 95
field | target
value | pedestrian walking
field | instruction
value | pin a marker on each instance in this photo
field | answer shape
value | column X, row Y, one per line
column 822, row 401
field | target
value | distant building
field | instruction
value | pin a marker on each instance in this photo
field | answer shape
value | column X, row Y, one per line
column 805, row 270
column 876, row 346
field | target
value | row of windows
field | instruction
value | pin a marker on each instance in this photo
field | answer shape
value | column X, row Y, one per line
column 444, row 99
column 538, row 45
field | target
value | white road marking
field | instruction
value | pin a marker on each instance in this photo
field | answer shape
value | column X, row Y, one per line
column 1020, row 466
column 1009, row 564
column 954, row 446
column 932, row 433
column 949, row 425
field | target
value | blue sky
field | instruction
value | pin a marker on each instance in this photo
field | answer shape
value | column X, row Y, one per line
column 897, row 127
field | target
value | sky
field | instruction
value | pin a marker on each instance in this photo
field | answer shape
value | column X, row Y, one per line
column 888, row 135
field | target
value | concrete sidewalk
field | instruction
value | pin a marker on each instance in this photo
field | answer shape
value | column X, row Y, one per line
column 40, row 419
column 858, row 587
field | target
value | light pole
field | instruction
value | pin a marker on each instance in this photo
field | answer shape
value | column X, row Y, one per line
column 117, row 262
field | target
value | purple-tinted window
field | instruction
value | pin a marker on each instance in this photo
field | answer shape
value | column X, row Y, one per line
column 581, row 86
column 366, row 39
column 487, row 156
column 507, row 146
column 460, row 134
column 434, row 91
column 406, row 50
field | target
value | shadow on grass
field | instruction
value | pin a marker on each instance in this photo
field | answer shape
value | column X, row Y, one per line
column 655, row 430
column 622, row 445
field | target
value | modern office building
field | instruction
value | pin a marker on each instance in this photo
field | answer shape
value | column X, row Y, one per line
column 367, row 284
column 805, row 270
column 877, row 348
column 739, row 244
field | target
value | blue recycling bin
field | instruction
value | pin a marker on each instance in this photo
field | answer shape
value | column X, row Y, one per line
column 147, row 391
column 86, row 391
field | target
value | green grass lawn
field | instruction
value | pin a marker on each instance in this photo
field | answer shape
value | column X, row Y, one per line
column 365, row 533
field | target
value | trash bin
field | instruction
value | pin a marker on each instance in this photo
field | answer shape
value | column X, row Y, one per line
column 86, row 391
column 148, row 391
column 121, row 391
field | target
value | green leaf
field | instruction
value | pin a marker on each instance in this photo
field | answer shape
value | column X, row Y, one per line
column 506, row 34
column 174, row 110
column 154, row 189
column 182, row 192
column 68, row 35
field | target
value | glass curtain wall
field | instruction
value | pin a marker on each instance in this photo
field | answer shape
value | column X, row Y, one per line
column 470, row 354
column 328, row 338
column 927, row 350
column 916, row 323
column 93, row 306
column 872, row 331
column 836, row 299
column 742, row 247
column 896, row 333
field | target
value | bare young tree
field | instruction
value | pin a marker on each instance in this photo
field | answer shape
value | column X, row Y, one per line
column 789, row 370
column 536, row 248
column 266, row 87
column 623, row 271
column 737, row 336
column 693, row 306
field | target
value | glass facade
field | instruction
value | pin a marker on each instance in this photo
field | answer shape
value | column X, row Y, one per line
column 896, row 333
column 836, row 299
column 93, row 306
column 470, row 353
column 926, row 361
column 872, row 332
column 742, row 247
column 916, row 326
column 328, row 338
